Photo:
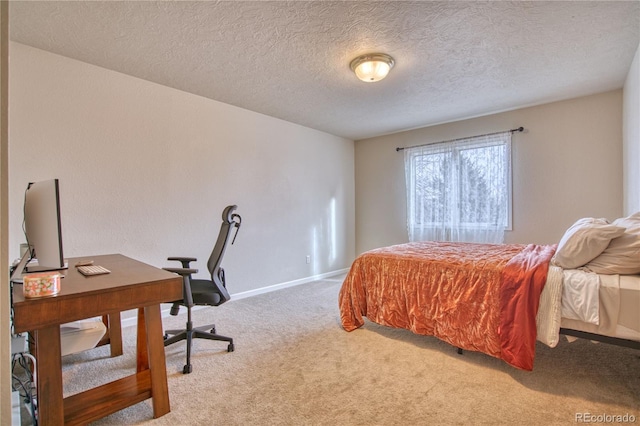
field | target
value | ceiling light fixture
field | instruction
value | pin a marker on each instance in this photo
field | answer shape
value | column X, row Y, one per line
column 372, row 66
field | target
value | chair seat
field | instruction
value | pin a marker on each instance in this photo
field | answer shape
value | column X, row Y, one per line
column 202, row 294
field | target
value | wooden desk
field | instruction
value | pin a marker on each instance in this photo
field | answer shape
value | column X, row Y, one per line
column 131, row 284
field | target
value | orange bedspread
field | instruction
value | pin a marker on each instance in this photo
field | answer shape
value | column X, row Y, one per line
column 481, row 297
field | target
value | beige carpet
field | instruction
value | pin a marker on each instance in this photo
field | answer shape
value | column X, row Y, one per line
column 294, row 365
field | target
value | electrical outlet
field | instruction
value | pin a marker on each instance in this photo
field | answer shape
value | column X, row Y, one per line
column 18, row 344
column 308, row 259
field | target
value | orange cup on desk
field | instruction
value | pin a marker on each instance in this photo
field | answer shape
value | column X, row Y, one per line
column 41, row 284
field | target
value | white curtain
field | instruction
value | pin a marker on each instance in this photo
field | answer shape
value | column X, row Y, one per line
column 460, row 190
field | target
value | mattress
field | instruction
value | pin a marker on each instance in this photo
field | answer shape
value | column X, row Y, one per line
column 619, row 309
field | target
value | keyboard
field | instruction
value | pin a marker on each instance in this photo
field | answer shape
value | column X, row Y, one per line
column 88, row 270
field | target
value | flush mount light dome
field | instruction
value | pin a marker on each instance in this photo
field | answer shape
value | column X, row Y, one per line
column 372, row 67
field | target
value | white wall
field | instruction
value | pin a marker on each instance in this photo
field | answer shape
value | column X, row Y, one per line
column 631, row 137
column 566, row 165
column 146, row 171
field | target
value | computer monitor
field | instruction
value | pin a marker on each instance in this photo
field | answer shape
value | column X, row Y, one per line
column 42, row 225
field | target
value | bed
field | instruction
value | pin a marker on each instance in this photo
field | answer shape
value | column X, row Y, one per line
column 500, row 298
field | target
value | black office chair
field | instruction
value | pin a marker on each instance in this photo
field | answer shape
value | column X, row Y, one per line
column 203, row 292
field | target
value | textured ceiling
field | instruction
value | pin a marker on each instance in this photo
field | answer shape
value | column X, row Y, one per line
column 290, row 60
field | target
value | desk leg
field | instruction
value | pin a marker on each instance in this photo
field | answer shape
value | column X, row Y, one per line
column 113, row 336
column 49, row 367
column 142, row 353
column 157, row 364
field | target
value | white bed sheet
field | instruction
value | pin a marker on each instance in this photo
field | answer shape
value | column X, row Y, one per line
column 580, row 296
column 549, row 308
column 619, row 308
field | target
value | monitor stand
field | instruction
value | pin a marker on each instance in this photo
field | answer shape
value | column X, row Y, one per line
column 34, row 267
column 24, row 266
column 16, row 275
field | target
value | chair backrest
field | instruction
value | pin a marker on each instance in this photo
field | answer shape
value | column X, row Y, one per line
column 230, row 221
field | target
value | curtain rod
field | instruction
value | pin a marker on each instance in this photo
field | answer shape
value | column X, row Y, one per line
column 519, row 129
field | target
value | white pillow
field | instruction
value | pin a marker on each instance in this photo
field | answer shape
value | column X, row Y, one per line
column 584, row 241
column 622, row 256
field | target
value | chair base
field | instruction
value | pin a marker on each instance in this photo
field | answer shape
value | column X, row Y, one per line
column 204, row 332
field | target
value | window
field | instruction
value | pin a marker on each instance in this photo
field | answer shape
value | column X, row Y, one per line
column 460, row 190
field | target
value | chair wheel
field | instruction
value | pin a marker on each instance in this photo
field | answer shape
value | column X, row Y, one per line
column 187, row 369
column 166, row 336
column 230, row 348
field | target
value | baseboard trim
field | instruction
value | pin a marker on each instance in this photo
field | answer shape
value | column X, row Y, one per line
column 268, row 289
column 131, row 321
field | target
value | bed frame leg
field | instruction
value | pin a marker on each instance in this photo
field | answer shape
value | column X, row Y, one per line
column 459, row 351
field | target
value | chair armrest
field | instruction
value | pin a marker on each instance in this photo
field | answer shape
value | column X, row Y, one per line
column 187, row 297
column 184, row 260
column 180, row 258
column 182, row 271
